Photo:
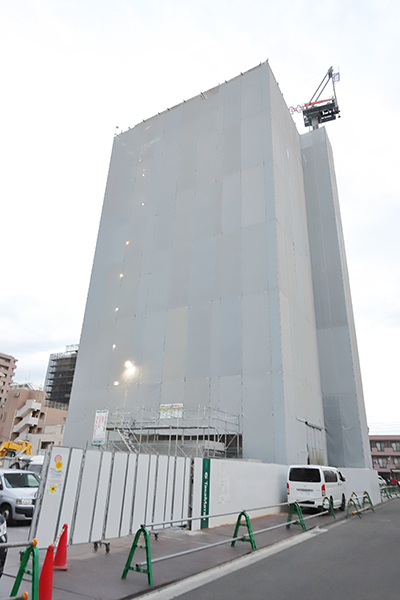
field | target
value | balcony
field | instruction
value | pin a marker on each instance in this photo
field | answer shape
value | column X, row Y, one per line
column 29, row 406
column 26, row 423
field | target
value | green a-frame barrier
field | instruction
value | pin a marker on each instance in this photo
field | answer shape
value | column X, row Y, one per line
column 128, row 565
column 247, row 523
column 33, row 552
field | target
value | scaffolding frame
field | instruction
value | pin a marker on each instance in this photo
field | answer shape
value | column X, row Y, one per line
column 205, row 433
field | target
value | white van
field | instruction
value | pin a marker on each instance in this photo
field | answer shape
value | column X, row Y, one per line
column 308, row 485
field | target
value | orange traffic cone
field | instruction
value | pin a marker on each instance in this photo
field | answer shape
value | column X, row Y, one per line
column 60, row 560
column 46, row 576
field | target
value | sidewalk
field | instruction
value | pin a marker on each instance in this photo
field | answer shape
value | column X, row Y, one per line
column 97, row 574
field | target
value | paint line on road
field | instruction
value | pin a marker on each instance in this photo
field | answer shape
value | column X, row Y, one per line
column 190, row 583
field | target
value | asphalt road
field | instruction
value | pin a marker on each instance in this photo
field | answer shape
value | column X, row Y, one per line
column 354, row 559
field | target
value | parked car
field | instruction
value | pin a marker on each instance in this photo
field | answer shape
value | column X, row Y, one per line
column 3, row 540
column 309, row 485
column 382, row 482
column 18, row 490
column 30, row 463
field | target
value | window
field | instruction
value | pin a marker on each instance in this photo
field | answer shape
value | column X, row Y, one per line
column 396, row 446
column 330, row 476
column 380, row 446
column 303, row 474
column 21, row 480
column 396, row 462
column 382, row 462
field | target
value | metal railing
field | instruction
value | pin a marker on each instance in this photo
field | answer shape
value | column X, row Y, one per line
column 146, row 566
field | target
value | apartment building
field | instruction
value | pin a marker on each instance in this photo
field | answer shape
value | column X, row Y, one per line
column 26, row 415
column 8, row 365
column 385, row 452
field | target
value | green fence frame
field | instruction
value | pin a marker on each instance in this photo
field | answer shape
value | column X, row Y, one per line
column 359, row 506
column 128, row 565
column 30, row 552
column 247, row 524
column 330, row 506
column 295, row 507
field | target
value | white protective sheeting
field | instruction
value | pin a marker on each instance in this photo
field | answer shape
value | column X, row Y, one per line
column 210, row 277
column 344, row 411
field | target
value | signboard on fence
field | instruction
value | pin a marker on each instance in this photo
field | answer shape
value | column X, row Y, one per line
column 100, row 426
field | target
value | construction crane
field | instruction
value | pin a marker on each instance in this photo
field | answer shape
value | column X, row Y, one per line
column 15, row 448
column 318, row 111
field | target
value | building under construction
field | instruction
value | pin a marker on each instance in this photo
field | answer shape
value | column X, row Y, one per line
column 59, row 377
column 220, row 285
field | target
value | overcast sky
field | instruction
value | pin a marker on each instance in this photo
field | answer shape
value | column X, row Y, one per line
column 73, row 70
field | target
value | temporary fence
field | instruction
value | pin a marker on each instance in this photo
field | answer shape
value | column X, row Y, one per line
column 104, row 495
column 145, row 530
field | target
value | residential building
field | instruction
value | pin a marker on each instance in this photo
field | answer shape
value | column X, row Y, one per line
column 7, row 369
column 220, row 284
column 25, row 416
column 60, row 375
column 385, row 451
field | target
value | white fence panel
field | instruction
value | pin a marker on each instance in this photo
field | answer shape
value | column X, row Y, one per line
column 151, row 489
column 162, row 472
column 52, row 498
column 178, row 495
column 116, row 497
column 99, row 509
column 71, row 487
column 186, row 488
column 86, row 498
column 128, row 495
column 170, row 489
column 139, row 509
